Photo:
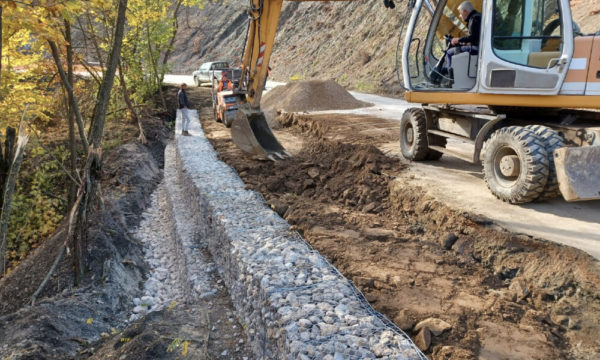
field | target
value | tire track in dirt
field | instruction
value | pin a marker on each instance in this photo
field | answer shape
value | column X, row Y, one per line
column 505, row 295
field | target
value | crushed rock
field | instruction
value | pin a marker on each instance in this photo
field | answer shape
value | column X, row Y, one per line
column 435, row 326
column 311, row 95
column 184, row 309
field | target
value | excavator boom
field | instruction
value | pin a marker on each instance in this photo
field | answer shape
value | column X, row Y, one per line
column 249, row 130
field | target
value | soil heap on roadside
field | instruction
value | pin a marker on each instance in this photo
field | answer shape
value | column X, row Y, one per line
column 311, row 95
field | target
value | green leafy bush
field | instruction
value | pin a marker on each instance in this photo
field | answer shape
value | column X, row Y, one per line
column 40, row 200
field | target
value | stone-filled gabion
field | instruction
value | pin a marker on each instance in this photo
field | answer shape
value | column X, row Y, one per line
column 293, row 303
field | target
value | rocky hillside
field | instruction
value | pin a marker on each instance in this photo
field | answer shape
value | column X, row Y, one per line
column 353, row 43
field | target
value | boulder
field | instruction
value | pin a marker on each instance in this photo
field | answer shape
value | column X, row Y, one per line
column 423, row 339
column 435, row 326
column 403, row 320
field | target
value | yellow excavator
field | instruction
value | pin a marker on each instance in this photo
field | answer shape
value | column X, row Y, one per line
column 525, row 101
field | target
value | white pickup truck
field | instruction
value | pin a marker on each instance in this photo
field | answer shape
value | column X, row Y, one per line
column 210, row 70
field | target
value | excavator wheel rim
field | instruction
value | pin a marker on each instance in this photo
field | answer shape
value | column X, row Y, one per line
column 533, row 163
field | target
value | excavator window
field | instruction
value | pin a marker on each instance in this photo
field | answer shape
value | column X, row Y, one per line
column 429, row 66
column 527, row 32
column 418, row 61
column 508, row 21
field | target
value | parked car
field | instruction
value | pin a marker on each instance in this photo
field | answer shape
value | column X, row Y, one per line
column 208, row 71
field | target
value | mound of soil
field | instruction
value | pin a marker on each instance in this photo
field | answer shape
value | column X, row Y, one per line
column 310, row 95
column 326, row 171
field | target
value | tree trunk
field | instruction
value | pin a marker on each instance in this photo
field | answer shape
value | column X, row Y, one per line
column 0, row 46
column 9, row 147
column 171, row 42
column 71, row 118
column 9, row 189
column 130, row 106
column 70, row 92
column 91, row 173
column 99, row 114
column 154, row 62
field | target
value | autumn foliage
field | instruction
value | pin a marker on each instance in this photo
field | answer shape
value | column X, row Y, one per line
column 39, row 40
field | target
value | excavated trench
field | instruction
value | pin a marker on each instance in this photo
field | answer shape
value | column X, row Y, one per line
column 459, row 285
column 212, row 272
column 290, row 300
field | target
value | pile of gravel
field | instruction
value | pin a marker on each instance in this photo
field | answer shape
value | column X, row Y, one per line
column 293, row 303
column 311, row 95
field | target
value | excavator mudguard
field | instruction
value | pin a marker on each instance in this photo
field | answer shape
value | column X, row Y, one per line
column 251, row 133
column 578, row 171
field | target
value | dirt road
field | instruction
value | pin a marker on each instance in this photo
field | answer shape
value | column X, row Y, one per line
column 503, row 295
column 461, row 184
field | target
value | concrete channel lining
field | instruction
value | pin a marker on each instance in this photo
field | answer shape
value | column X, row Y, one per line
column 292, row 303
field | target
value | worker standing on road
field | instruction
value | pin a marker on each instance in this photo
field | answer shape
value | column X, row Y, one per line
column 470, row 42
column 184, row 107
column 225, row 83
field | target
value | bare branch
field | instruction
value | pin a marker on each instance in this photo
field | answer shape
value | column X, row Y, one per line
column 71, row 93
column 62, row 249
column 90, row 71
column 49, row 274
column 37, row 136
column 95, row 42
column 10, row 188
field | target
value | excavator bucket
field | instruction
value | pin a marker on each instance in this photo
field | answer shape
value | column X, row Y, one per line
column 251, row 133
column 578, row 173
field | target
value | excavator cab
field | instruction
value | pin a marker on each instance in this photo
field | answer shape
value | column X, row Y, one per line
column 530, row 73
column 525, row 46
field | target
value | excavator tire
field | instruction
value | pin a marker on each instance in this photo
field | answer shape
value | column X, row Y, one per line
column 515, row 165
column 552, row 141
column 413, row 135
column 227, row 121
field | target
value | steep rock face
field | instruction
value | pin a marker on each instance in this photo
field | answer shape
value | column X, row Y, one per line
column 216, row 32
column 586, row 14
column 353, row 43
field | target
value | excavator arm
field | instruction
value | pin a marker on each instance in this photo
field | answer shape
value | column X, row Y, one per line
column 249, row 130
column 264, row 17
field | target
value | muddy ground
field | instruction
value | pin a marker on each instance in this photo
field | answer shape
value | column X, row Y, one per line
column 91, row 320
column 506, row 296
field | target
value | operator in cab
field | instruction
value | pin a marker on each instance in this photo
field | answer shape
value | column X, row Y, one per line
column 225, row 83
column 470, row 42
